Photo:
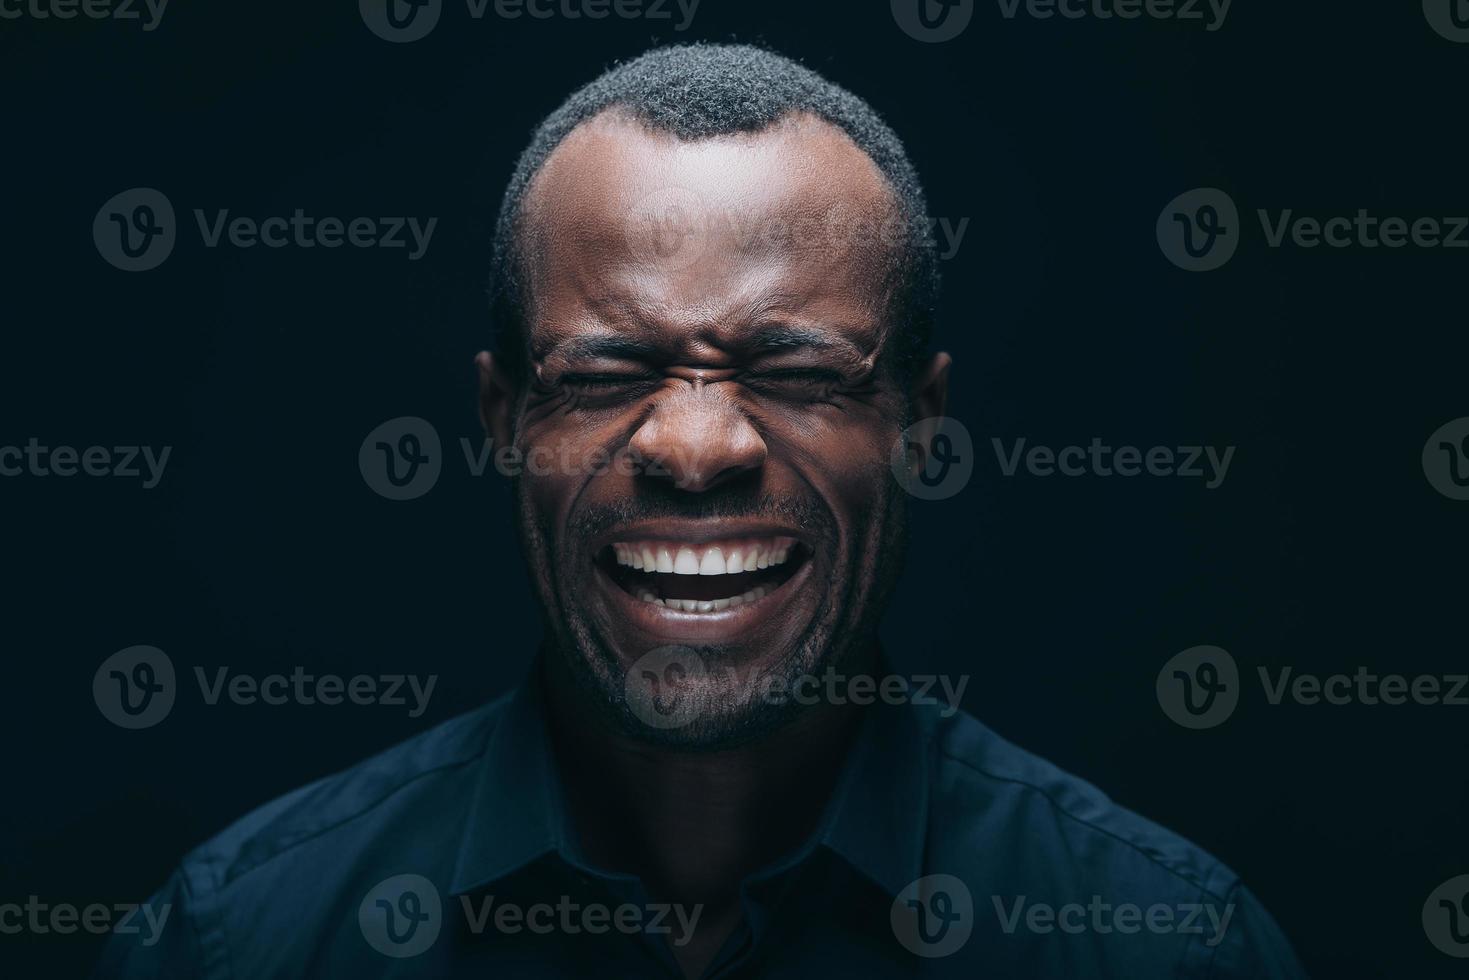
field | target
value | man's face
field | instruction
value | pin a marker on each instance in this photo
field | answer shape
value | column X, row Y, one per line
column 709, row 410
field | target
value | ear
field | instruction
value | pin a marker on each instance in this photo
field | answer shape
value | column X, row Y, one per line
column 496, row 400
column 930, row 392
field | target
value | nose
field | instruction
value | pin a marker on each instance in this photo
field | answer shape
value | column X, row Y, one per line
column 697, row 437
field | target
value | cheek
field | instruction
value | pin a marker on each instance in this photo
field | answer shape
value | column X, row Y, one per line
column 561, row 461
column 849, row 459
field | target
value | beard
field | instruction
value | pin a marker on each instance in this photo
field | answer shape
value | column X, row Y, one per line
column 712, row 697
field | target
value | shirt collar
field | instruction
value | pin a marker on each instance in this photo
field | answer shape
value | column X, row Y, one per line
column 875, row 820
column 516, row 814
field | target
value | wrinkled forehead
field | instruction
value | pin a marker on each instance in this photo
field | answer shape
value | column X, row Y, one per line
column 626, row 222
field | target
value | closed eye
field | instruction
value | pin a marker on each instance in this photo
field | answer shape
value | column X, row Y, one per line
column 794, row 378
column 605, row 382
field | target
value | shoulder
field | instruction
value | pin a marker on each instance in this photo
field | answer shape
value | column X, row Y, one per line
column 297, row 868
column 990, row 785
column 354, row 805
column 1066, row 882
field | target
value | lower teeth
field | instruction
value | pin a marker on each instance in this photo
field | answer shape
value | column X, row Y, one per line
column 704, row 605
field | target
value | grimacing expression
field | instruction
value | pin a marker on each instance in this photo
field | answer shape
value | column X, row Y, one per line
column 707, row 368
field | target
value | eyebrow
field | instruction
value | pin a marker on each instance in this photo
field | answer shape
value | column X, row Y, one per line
column 776, row 337
column 611, row 345
column 788, row 338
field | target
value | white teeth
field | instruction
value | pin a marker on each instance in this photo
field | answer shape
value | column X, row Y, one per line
column 706, row 605
column 712, row 563
column 725, row 558
column 686, row 563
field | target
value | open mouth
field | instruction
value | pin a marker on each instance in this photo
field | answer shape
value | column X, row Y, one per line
column 706, row 577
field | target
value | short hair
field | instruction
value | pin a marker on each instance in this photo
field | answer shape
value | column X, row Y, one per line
column 698, row 91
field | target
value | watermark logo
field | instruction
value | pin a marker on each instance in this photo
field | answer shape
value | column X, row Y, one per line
column 401, row 916
column 1199, row 230
column 403, row 21
column 674, row 227
column 669, row 228
column 1212, row 13
column 41, row 918
column 572, row 918
column 135, row 230
column 1199, row 688
column 660, row 687
column 37, row 460
column 91, row 9
column 400, row 21
column 933, row 459
column 1103, row 918
column 135, row 688
column 401, row 459
column 933, row 21
column 1450, row 18
column 1207, row 463
column 1446, row 917
column 1446, row 459
column 933, row 916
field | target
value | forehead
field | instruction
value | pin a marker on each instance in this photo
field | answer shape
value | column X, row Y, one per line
column 690, row 244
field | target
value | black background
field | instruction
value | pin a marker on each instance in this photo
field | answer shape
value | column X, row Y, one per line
column 263, row 549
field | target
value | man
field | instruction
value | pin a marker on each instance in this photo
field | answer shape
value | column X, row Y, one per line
column 713, row 286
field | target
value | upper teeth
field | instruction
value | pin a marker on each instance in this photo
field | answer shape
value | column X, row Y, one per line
column 712, row 558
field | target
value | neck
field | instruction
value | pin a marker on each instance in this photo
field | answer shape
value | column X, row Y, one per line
column 692, row 824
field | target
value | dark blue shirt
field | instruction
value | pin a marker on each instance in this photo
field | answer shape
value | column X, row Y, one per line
column 944, row 851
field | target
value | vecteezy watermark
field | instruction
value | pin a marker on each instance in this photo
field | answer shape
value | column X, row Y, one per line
column 147, row 12
column 1446, row 459
column 933, row 459
column 1210, row 13
column 933, row 916
column 136, row 688
column 675, row 227
column 1201, row 687
column 1207, row 463
column 1103, row 918
column 1450, row 18
column 933, row 21
column 401, row 459
column 403, row 21
column 136, row 230
column 662, row 687
column 37, row 460
column 1446, row 917
column 63, row 918
column 402, row 916
column 570, row 917
column 1200, row 230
